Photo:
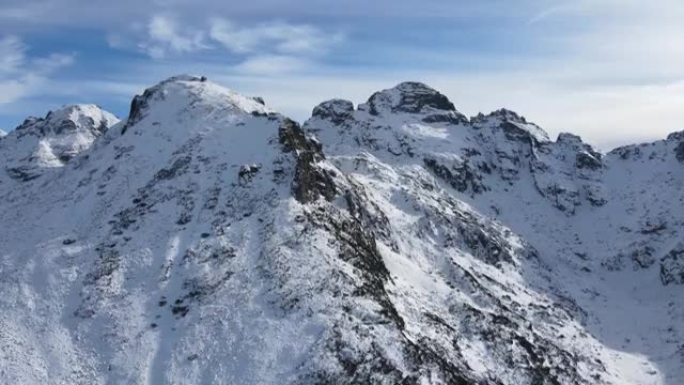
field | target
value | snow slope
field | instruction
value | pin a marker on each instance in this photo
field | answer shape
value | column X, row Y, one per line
column 606, row 227
column 207, row 239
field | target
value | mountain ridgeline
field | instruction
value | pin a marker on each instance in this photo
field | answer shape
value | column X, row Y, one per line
column 207, row 239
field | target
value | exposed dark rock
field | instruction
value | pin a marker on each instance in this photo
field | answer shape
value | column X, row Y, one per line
column 654, row 228
column 506, row 115
column 595, row 196
column 178, row 167
column 484, row 246
column 358, row 248
column 446, row 117
column 138, row 105
column 180, row 310
column 562, row 198
column 411, row 97
column 644, row 257
column 627, row 152
column 679, row 135
column 585, row 160
column 247, row 173
column 336, row 110
column 22, row 174
column 514, row 132
column 679, row 151
column 310, row 181
column 372, row 218
column 672, row 267
column 461, row 177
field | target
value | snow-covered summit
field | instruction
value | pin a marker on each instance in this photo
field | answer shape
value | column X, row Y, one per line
column 3, row 133
column 43, row 143
column 69, row 119
column 174, row 95
column 411, row 98
column 515, row 126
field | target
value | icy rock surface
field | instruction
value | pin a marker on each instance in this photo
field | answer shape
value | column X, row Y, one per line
column 207, row 239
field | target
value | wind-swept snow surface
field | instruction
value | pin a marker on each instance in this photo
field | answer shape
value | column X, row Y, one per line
column 206, row 239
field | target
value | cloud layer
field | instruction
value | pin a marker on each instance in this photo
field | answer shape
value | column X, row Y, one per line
column 20, row 75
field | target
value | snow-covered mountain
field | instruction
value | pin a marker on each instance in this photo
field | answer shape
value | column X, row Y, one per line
column 42, row 143
column 207, row 239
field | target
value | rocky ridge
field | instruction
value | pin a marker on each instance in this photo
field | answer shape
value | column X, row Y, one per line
column 209, row 239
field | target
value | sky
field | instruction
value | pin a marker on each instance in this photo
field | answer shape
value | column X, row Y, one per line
column 611, row 71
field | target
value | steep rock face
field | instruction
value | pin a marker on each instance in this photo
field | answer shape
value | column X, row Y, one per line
column 210, row 240
column 564, row 198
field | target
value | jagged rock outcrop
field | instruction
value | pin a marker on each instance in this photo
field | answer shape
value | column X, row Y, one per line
column 672, row 267
column 678, row 138
column 413, row 97
column 337, row 110
column 311, row 181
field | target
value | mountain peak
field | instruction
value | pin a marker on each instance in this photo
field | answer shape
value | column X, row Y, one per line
column 509, row 115
column 410, row 97
column 399, row 246
column 176, row 93
column 69, row 119
column 335, row 110
column 677, row 135
column 48, row 142
column 514, row 124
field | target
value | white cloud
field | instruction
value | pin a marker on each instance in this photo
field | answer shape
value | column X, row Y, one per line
column 20, row 75
column 272, row 65
column 277, row 36
column 164, row 35
column 11, row 54
column 267, row 49
column 273, row 44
